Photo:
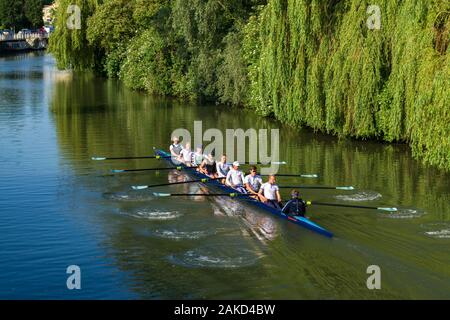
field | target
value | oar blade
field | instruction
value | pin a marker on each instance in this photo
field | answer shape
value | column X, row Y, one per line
column 312, row 175
column 388, row 209
column 345, row 188
column 139, row 187
column 117, row 170
column 98, row 158
column 160, row 194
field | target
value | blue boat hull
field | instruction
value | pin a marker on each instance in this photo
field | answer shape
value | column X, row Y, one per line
column 304, row 222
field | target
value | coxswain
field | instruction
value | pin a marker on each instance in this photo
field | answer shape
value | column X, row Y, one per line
column 296, row 206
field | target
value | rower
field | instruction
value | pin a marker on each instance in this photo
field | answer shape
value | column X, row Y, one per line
column 271, row 193
column 222, row 167
column 296, row 206
column 198, row 157
column 175, row 147
column 235, row 178
column 186, row 154
column 208, row 166
column 253, row 182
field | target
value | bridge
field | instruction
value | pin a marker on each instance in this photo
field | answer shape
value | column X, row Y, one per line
column 23, row 41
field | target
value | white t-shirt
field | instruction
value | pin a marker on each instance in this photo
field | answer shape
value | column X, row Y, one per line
column 222, row 169
column 255, row 182
column 270, row 191
column 187, row 155
column 235, row 177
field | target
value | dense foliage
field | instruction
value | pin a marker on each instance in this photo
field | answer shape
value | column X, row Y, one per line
column 18, row 14
column 306, row 62
column 70, row 45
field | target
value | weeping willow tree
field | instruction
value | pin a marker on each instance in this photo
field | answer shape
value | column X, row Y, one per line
column 326, row 65
column 69, row 42
column 415, row 102
column 319, row 64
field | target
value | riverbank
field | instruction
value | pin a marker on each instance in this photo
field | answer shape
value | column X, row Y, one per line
column 349, row 69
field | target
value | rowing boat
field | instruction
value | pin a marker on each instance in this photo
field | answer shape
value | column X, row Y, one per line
column 304, row 222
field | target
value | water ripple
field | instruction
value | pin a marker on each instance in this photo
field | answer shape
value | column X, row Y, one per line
column 125, row 196
column 182, row 235
column 405, row 213
column 360, row 196
column 152, row 214
column 212, row 257
column 440, row 230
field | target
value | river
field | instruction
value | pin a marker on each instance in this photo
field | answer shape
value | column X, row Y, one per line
column 59, row 208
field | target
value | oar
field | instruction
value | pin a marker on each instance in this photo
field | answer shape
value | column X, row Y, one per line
column 272, row 162
column 129, row 158
column 179, row 168
column 393, row 209
column 303, row 175
column 204, row 180
column 233, row 194
column 317, row 187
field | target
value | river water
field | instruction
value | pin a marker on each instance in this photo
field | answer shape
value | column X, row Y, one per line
column 59, row 208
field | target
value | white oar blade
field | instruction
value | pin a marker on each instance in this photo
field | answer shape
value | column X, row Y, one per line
column 279, row 162
column 345, row 188
column 117, row 171
column 159, row 194
column 98, row 158
column 139, row 187
column 388, row 209
column 309, row 175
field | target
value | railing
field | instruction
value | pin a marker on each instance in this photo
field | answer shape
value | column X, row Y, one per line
column 23, row 36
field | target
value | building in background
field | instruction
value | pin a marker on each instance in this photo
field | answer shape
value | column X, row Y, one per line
column 48, row 13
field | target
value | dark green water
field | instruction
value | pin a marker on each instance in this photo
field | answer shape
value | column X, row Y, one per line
column 59, row 208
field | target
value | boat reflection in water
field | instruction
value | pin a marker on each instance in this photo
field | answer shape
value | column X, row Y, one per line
column 254, row 223
column 190, row 188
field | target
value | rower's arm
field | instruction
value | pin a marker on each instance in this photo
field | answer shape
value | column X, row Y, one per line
column 218, row 169
column 261, row 195
column 249, row 189
column 173, row 152
column 227, row 179
column 278, row 196
column 242, row 179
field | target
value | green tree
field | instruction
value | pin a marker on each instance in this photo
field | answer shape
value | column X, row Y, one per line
column 18, row 14
column 111, row 23
column 201, row 26
column 70, row 45
column 147, row 64
column 12, row 15
column 33, row 12
column 307, row 63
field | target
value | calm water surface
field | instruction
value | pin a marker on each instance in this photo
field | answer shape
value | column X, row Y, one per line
column 59, row 208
